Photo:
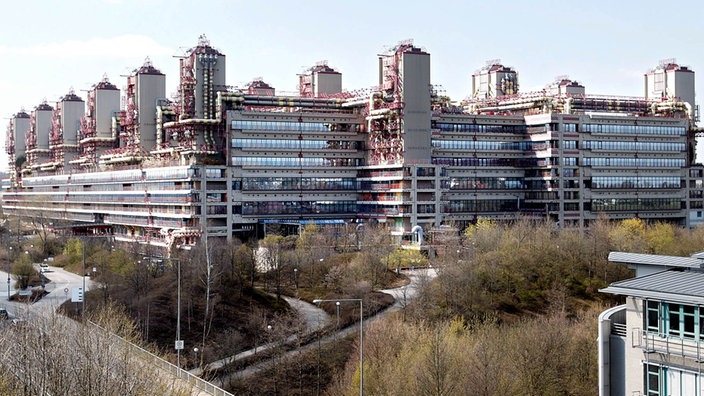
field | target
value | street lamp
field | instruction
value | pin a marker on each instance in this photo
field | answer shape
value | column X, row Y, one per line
column 179, row 342
column 195, row 351
column 9, row 253
column 83, row 275
column 295, row 277
column 361, row 335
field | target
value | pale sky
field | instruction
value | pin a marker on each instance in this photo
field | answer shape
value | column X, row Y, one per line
column 48, row 47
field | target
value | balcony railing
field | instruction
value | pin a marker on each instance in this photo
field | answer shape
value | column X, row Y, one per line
column 661, row 343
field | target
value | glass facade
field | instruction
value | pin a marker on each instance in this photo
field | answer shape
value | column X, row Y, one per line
column 295, row 162
column 297, row 183
column 294, row 126
column 469, row 206
column 634, row 129
column 480, row 145
column 634, row 204
column 631, row 182
column 485, row 183
column 633, row 146
column 452, row 127
column 459, row 161
column 298, row 207
column 295, row 144
column 634, row 162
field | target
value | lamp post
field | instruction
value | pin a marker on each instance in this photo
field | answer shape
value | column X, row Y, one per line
column 361, row 335
column 179, row 342
column 9, row 253
column 83, row 275
column 295, row 277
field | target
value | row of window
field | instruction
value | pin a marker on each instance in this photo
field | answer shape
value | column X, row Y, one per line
column 294, row 126
column 114, row 176
column 171, row 173
column 675, row 320
column 631, row 182
column 383, row 185
column 634, row 129
column 634, row 204
column 512, row 162
column 299, row 207
column 484, row 183
column 634, row 162
column 451, row 127
column 469, row 206
column 661, row 381
column 295, row 144
column 295, row 161
column 632, row 146
column 298, row 183
column 485, row 145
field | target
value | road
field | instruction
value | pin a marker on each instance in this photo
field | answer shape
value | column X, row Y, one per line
column 60, row 280
column 59, row 286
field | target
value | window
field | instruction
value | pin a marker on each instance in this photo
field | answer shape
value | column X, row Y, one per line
column 652, row 317
column 681, row 320
column 653, row 380
column 674, row 320
column 688, row 319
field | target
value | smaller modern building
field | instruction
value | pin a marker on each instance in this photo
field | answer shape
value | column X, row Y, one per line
column 653, row 345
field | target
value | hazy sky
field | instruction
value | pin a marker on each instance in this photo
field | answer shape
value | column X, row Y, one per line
column 48, row 47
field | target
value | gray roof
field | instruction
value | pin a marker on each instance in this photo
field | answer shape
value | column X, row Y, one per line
column 673, row 285
column 654, row 259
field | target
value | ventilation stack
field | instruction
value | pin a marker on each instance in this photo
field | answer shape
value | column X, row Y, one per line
column 494, row 81
column 65, row 128
column 320, row 80
column 137, row 136
column 96, row 126
column 563, row 86
column 37, row 139
column 258, row 87
column 404, row 99
column 15, row 146
column 202, row 75
column 671, row 81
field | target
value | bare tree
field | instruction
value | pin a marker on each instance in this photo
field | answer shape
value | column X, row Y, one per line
column 88, row 360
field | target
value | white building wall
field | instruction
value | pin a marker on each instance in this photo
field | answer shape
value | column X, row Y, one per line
column 71, row 114
column 327, row 83
column 150, row 87
column 107, row 102
column 21, row 128
column 680, row 84
column 43, row 125
column 634, row 356
column 415, row 76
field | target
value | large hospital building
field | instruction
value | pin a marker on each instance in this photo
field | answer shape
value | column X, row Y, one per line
column 233, row 163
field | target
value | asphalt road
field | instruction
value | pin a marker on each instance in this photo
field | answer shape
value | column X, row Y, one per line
column 59, row 285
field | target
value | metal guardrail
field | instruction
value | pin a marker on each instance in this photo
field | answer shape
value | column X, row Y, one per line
column 170, row 368
column 657, row 342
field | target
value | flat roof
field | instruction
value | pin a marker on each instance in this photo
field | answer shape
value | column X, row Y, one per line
column 656, row 260
column 685, row 286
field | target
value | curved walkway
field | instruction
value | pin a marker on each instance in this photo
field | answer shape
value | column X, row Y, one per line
column 316, row 319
